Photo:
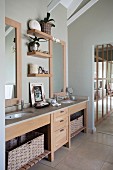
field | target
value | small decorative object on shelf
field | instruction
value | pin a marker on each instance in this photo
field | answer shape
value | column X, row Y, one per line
column 33, row 24
column 46, row 24
column 32, row 68
column 34, row 43
column 46, row 52
column 56, row 40
column 42, row 71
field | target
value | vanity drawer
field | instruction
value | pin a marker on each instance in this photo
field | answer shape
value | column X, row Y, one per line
column 60, row 122
column 60, row 137
column 25, row 127
column 78, row 107
column 60, row 113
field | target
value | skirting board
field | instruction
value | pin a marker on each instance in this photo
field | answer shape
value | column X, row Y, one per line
column 92, row 130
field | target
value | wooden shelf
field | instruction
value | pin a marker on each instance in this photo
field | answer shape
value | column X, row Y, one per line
column 35, row 160
column 39, row 34
column 78, row 131
column 39, row 75
column 39, row 54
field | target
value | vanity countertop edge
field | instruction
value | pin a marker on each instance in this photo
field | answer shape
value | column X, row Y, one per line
column 37, row 113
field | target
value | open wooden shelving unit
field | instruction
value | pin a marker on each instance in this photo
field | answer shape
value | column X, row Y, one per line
column 39, row 75
column 39, row 54
column 49, row 38
column 39, row 34
column 78, row 131
column 35, row 160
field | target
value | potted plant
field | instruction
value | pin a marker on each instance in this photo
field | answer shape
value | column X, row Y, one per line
column 46, row 24
column 34, row 43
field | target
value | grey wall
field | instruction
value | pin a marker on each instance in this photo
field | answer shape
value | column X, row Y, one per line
column 92, row 28
column 21, row 11
column 2, row 85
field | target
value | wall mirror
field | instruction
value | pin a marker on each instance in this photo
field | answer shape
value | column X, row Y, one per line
column 13, row 62
column 59, row 68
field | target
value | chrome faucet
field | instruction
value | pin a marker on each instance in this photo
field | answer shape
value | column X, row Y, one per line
column 22, row 104
column 58, row 97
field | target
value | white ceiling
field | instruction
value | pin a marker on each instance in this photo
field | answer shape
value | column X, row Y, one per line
column 66, row 3
column 75, row 8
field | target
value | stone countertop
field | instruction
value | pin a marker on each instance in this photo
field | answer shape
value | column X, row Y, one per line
column 32, row 113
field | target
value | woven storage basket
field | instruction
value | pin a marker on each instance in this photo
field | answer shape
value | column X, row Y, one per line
column 46, row 27
column 26, row 152
column 76, row 124
column 33, row 68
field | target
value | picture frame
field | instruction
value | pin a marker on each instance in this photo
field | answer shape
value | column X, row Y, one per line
column 37, row 92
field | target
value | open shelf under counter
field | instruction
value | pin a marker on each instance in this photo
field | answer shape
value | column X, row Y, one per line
column 78, row 131
column 35, row 160
column 39, row 75
column 39, row 34
column 39, row 54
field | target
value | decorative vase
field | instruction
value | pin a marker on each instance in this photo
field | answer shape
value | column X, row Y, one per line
column 33, row 46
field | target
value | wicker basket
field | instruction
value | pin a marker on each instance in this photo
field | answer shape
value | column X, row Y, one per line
column 46, row 27
column 32, row 68
column 26, row 152
column 76, row 124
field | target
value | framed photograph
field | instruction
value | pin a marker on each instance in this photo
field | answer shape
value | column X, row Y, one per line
column 37, row 92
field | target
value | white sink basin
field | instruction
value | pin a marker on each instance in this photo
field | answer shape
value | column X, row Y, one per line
column 16, row 115
column 67, row 101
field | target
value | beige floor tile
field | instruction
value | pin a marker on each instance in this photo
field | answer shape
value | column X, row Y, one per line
column 88, row 156
column 109, row 159
column 91, row 151
column 60, row 154
column 88, row 152
column 78, row 140
column 106, row 126
column 101, row 138
column 107, row 166
column 39, row 166
column 77, row 163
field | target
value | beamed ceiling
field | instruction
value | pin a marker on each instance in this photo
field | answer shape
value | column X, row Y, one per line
column 75, row 8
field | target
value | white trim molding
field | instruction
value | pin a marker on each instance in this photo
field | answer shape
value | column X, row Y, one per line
column 73, row 6
column 81, row 11
column 53, row 4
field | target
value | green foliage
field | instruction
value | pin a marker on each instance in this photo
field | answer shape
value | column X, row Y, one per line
column 47, row 19
column 37, row 40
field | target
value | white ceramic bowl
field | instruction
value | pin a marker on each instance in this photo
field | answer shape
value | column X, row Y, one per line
column 33, row 24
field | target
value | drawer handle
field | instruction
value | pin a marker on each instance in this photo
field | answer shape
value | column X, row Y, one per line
column 61, row 130
column 61, row 111
column 61, row 120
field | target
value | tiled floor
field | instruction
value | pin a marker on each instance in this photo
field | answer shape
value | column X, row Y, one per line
column 107, row 125
column 88, row 152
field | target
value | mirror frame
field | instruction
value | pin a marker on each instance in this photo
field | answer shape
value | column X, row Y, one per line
column 17, row 26
column 64, row 70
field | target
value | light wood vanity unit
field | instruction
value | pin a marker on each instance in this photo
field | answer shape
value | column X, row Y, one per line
column 57, row 119
column 53, row 122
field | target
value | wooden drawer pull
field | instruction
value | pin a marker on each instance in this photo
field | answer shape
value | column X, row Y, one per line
column 61, row 120
column 61, row 111
column 61, row 130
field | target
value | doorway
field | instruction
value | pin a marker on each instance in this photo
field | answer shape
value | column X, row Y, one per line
column 103, row 82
